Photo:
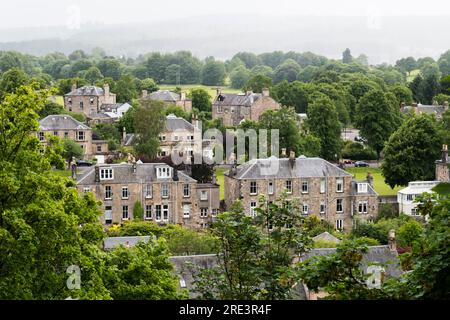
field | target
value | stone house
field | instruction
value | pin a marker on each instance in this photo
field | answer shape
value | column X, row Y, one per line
column 443, row 166
column 88, row 99
column 185, row 138
column 232, row 108
column 168, row 196
column 319, row 187
column 417, row 108
column 64, row 126
column 169, row 97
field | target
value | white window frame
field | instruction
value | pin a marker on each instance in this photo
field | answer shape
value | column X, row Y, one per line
column 125, row 209
column 106, row 174
column 148, row 191
column 253, row 206
column 165, row 212
column 186, row 211
column 270, row 187
column 41, row 136
column 110, row 192
column 363, row 187
column 288, row 189
column 165, row 191
column 341, row 201
column 305, row 206
column 158, row 212
column 203, row 195
column 163, row 172
column 322, row 207
column 148, row 209
column 81, row 136
column 339, row 182
column 340, row 224
column 203, row 212
column 125, row 192
column 253, row 188
column 363, row 207
column 186, row 187
column 323, row 183
column 86, row 189
column 305, row 183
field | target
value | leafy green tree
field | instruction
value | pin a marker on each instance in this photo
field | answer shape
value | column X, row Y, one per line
column 406, row 64
column 410, row 152
column 11, row 80
column 125, row 89
column 288, row 70
column 239, row 77
column 50, row 108
column 142, row 272
column 93, row 74
column 347, row 56
column 293, row 94
column 65, row 85
column 255, row 254
column 173, row 74
column 177, row 111
column 138, row 211
column 323, row 123
column 110, row 68
column 402, row 94
column 249, row 59
column 45, row 226
column 200, row 99
column 258, row 83
column 72, row 150
column 444, row 127
column 445, row 84
column 441, row 98
column 149, row 85
column 185, row 241
column 149, row 122
column 213, row 73
column 377, row 117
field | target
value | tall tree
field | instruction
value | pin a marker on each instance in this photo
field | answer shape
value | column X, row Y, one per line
column 149, row 121
column 347, row 56
column 323, row 123
column 213, row 73
column 258, row 83
column 200, row 99
column 411, row 151
column 377, row 117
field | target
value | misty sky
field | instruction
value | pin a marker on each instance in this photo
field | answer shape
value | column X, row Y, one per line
column 34, row 13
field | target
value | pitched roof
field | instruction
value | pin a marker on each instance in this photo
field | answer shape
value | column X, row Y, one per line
column 326, row 236
column 123, row 173
column 175, row 123
column 164, row 95
column 110, row 107
column 281, row 168
column 61, row 122
column 87, row 91
column 237, row 99
column 375, row 254
column 430, row 109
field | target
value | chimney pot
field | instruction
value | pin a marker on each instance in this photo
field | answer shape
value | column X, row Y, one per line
column 265, row 92
column 392, row 240
column 144, row 93
column 283, row 153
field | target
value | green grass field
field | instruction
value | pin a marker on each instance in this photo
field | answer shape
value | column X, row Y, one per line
column 211, row 89
column 220, row 181
column 412, row 75
column 378, row 180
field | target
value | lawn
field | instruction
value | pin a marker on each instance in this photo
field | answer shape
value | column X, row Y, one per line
column 57, row 99
column 220, row 181
column 63, row 173
column 211, row 89
column 378, row 180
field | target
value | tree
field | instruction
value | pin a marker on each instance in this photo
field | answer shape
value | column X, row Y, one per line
column 249, row 59
column 347, row 56
column 45, row 226
column 323, row 123
column 125, row 89
column 288, row 70
column 200, row 99
column 445, row 84
column 239, row 77
column 173, row 74
column 138, row 211
column 255, row 254
column 142, row 272
column 293, row 94
column 411, row 151
column 284, row 120
column 72, row 150
column 11, row 80
column 377, row 117
column 110, row 68
column 213, row 73
column 406, row 64
column 149, row 85
column 402, row 93
column 149, row 121
column 93, row 74
column 50, row 108
column 258, row 83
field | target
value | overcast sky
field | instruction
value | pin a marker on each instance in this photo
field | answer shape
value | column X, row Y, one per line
column 33, row 13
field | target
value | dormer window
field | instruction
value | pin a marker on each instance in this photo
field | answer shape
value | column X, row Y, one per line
column 163, row 172
column 106, row 174
column 362, row 187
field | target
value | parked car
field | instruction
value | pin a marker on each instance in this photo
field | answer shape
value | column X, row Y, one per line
column 83, row 163
column 348, row 161
column 361, row 164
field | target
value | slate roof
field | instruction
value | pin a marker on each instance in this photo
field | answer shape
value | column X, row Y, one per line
column 237, row 99
column 175, row 123
column 87, row 91
column 111, row 242
column 375, row 254
column 326, row 236
column 303, row 168
column 123, row 173
column 111, row 107
column 61, row 122
column 430, row 109
column 164, row 95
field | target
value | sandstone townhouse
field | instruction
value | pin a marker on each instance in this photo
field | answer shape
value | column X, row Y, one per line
column 232, row 108
column 170, row 98
column 320, row 188
column 64, row 126
column 167, row 196
column 88, row 99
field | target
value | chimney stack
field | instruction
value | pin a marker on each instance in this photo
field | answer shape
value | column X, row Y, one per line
column 283, row 153
column 74, row 86
column 175, row 174
column 292, row 158
column 248, row 92
column 97, row 174
column 444, row 153
column 369, row 178
column 392, row 242
column 106, row 89
column 124, row 135
column 265, row 92
column 182, row 96
column 144, row 94
column 218, row 91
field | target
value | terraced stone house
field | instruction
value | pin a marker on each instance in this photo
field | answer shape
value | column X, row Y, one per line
column 88, row 99
column 320, row 188
column 167, row 196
